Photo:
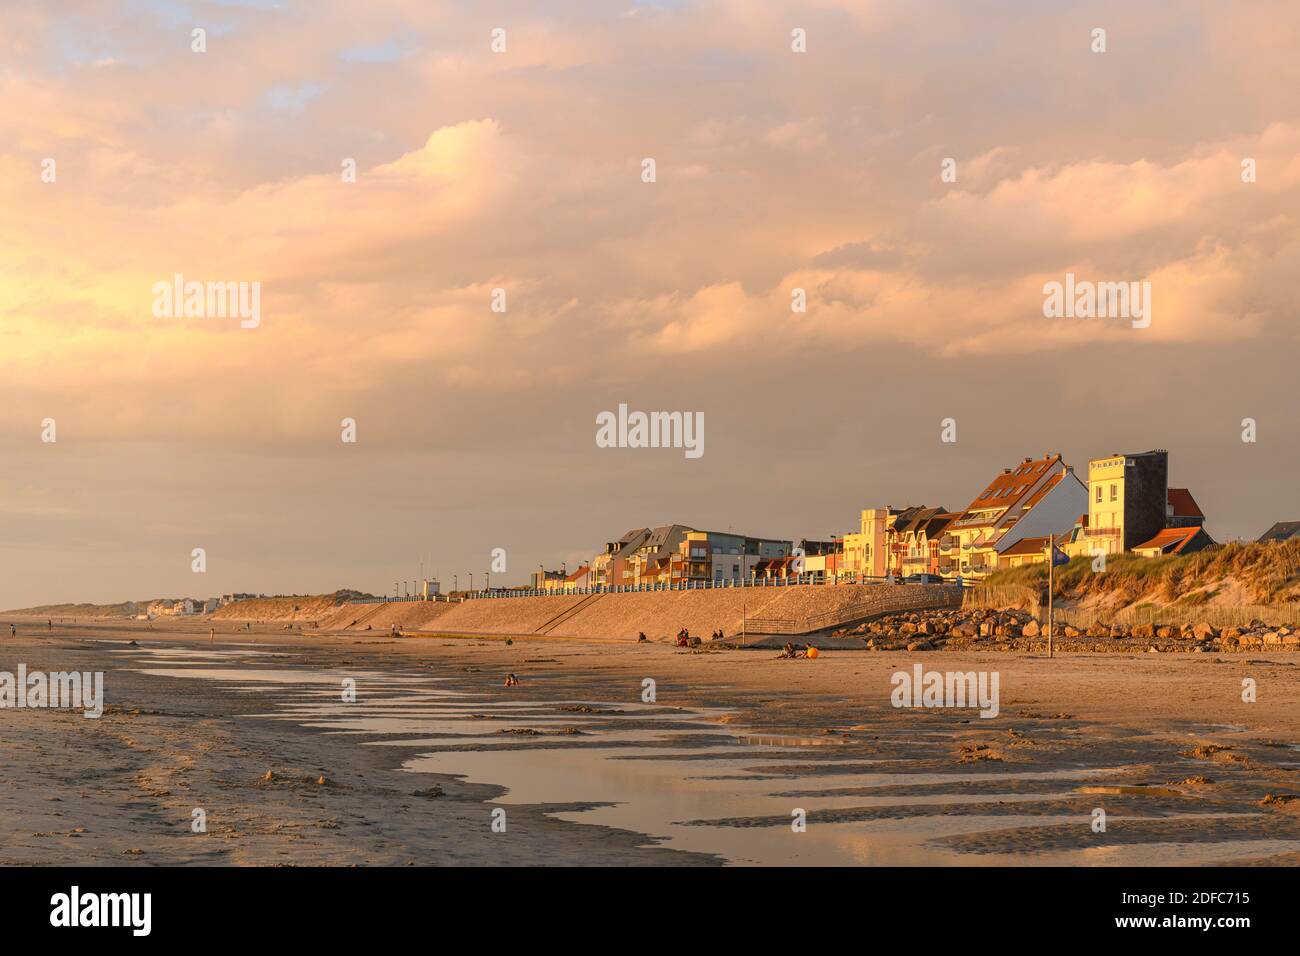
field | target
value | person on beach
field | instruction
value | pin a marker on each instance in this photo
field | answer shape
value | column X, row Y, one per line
column 212, row 634
column 49, row 625
column 512, row 680
column 13, row 630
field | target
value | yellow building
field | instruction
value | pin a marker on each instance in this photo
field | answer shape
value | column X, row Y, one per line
column 1128, row 499
column 867, row 552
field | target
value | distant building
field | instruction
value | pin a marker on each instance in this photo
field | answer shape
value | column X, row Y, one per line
column 723, row 555
column 578, row 579
column 544, row 580
column 867, row 551
column 812, row 548
column 607, row 568
column 771, row 569
column 821, row 559
column 1182, row 511
column 1282, row 531
column 650, row 560
column 1186, row 540
column 914, row 541
column 1030, row 550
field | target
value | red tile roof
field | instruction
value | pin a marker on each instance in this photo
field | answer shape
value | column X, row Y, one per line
column 1048, row 485
column 1171, row 540
column 1033, row 545
column 1010, row 487
column 1184, row 505
column 1026, row 546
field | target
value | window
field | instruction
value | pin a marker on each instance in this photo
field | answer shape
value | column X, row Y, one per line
column 1114, row 492
column 1099, row 494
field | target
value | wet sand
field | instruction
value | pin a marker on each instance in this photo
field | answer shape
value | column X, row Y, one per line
column 587, row 772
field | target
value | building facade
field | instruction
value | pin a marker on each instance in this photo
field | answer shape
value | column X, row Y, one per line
column 1038, row 497
column 1127, row 499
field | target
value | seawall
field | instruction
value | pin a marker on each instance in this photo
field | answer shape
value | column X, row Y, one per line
column 660, row 615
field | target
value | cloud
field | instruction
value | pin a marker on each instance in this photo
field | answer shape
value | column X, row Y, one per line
column 521, row 171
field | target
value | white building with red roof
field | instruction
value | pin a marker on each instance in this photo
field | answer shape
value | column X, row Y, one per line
column 1038, row 497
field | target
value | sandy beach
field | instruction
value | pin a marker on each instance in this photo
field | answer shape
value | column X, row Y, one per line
column 255, row 730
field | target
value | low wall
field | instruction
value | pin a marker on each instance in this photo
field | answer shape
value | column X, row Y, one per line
column 659, row 614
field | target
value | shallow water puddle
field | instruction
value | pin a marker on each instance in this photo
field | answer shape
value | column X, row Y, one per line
column 662, row 797
column 679, row 775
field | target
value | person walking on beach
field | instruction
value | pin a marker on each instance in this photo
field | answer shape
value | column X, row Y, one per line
column 13, row 630
column 212, row 634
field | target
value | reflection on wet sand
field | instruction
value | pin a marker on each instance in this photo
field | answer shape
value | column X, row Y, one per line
column 688, row 780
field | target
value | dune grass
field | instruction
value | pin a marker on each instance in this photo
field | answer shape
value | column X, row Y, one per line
column 1268, row 571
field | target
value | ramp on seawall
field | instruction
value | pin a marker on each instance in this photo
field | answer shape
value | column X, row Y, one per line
column 801, row 609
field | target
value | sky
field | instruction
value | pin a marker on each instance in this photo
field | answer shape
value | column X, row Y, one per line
column 523, row 170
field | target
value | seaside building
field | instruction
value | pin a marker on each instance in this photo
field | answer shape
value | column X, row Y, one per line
column 607, row 568
column 238, row 596
column 650, row 560
column 1282, row 531
column 1030, row 550
column 544, row 580
column 773, row 569
column 914, row 541
column 821, row 559
column 1186, row 540
column 579, row 579
column 1036, row 498
column 1182, row 511
column 1132, row 508
column 866, row 552
column 723, row 555
column 1126, row 505
column 1128, row 500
